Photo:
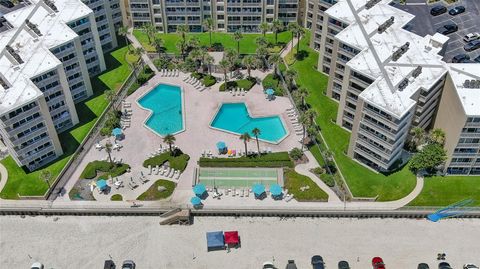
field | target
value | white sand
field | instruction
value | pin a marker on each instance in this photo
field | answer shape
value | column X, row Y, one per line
column 84, row 242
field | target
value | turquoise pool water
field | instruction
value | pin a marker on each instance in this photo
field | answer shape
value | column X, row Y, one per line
column 165, row 103
column 234, row 117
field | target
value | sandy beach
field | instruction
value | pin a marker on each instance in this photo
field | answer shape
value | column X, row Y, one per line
column 85, row 242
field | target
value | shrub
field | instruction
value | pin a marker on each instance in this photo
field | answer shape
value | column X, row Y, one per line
column 277, row 159
column 114, row 170
column 209, row 80
column 318, row 171
column 328, row 179
column 246, row 84
column 143, row 77
column 116, row 197
column 296, row 154
column 176, row 162
column 112, row 122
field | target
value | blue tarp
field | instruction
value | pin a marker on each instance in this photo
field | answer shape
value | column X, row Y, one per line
column 258, row 189
column 195, row 200
column 275, row 190
column 270, row 91
column 101, row 184
column 117, row 132
column 199, row 189
column 215, row 240
column 221, row 145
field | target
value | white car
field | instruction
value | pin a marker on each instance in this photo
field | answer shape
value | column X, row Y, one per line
column 471, row 37
column 37, row 265
column 470, row 266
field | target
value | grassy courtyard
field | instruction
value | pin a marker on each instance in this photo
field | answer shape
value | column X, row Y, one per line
column 153, row 193
column 22, row 182
column 361, row 181
column 294, row 182
column 247, row 44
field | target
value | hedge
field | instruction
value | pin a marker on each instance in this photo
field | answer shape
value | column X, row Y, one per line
column 91, row 169
column 143, row 77
column 246, row 84
column 328, row 179
column 176, row 162
column 278, row 159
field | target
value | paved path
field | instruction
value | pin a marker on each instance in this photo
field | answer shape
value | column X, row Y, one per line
column 3, row 176
column 136, row 44
column 289, row 47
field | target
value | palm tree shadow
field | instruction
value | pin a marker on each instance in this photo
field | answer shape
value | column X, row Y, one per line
column 301, row 55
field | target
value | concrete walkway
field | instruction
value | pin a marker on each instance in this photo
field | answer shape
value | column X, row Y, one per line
column 136, row 44
column 3, row 176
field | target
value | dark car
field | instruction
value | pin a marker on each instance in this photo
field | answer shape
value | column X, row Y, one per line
column 448, row 29
column 444, row 265
column 317, row 262
column 291, row 265
column 477, row 60
column 438, row 10
column 472, row 45
column 377, row 263
column 423, row 266
column 128, row 264
column 343, row 265
column 6, row 3
column 456, row 10
column 109, row 264
column 460, row 57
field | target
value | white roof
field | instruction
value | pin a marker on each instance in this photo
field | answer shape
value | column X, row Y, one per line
column 470, row 98
column 34, row 50
column 375, row 60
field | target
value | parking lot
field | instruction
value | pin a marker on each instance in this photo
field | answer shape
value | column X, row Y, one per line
column 467, row 22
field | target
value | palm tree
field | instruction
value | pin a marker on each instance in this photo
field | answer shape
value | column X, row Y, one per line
column 437, row 135
column 256, row 132
column 262, row 54
column 293, row 27
column 225, row 66
column 237, row 36
column 264, row 27
column 170, row 140
column 46, row 176
column 275, row 60
column 109, row 149
column 290, row 76
column 182, row 30
column 307, row 120
column 231, row 56
column 246, row 138
column 303, row 93
column 139, row 52
column 418, row 135
column 311, row 116
column 123, row 31
column 158, row 44
column 304, row 120
column 300, row 32
column 208, row 26
column 209, row 61
column 261, row 41
column 150, row 30
column 250, row 63
column 277, row 26
column 110, row 96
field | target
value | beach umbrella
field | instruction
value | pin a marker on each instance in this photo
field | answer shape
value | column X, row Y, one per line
column 270, row 91
column 221, row 145
column 258, row 189
column 199, row 189
column 117, row 132
column 101, row 184
column 195, row 200
column 275, row 190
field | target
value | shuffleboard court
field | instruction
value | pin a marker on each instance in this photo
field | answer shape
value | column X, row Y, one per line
column 239, row 177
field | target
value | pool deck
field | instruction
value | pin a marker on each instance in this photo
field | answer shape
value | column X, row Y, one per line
column 200, row 109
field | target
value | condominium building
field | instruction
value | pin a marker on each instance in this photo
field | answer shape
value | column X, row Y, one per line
column 46, row 60
column 387, row 80
column 228, row 15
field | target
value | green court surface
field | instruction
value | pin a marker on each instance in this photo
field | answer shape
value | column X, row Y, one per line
column 237, row 177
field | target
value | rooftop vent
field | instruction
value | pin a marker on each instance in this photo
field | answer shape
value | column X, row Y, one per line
column 14, row 54
column 33, row 27
column 384, row 26
column 400, row 51
column 4, row 84
column 472, row 84
column 51, row 5
column 417, row 72
column 371, row 3
column 403, row 84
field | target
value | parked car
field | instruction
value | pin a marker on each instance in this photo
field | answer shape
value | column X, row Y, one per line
column 36, row 265
column 343, row 265
column 456, row 10
column 460, row 57
column 108, row 264
column 423, row 266
column 291, row 265
column 317, row 262
column 471, row 36
column 268, row 265
column 377, row 263
column 472, row 45
column 438, row 10
column 448, row 29
column 128, row 264
column 470, row 265
column 6, row 3
column 444, row 265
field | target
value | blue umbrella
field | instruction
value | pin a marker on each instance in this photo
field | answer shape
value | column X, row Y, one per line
column 117, row 132
column 195, row 200
column 258, row 189
column 275, row 189
column 101, row 184
column 199, row 189
column 270, row 91
column 221, row 145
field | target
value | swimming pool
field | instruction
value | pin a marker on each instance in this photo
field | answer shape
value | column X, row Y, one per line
column 165, row 103
column 234, row 118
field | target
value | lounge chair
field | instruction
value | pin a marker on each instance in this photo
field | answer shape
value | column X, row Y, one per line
column 177, row 176
column 158, row 170
column 149, row 169
column 243, row 92
column 247, row 193
column 234, row 192
column 172, row 172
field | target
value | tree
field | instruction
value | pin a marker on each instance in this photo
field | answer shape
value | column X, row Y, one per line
column 307, row 120
column 300, row 32
column 290, row 76
column 231, row 56
column 256, row 132
column 193, row 43
column 429, row 158
column 293, row 27
column 261, row 41
column 46, row 176
column 302, row 93
column 110, row 95
column 275, row 60
column 209, row 61
column 237, row 36
column 208, row 26
column 109, row 149
column 150, row 30
column 437, row 135
column 304, row 120
column 262, row 54
column 277, row 26
column 225, row 66
column 418, row 136
column 170, row 140
column 182, row 31
column 246, row 138
column 264, row 27
column 158, row 44
column 250, row 63
column 139, row 52
column 123, row 31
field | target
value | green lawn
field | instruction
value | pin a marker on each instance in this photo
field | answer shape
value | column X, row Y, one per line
column 176, row 162
column 361, row 181
column 247, row 44
column 442, row 191
column 294, row 181
column 153, row 194
column 271, row 81
column 116, row 197
column 28, row 183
